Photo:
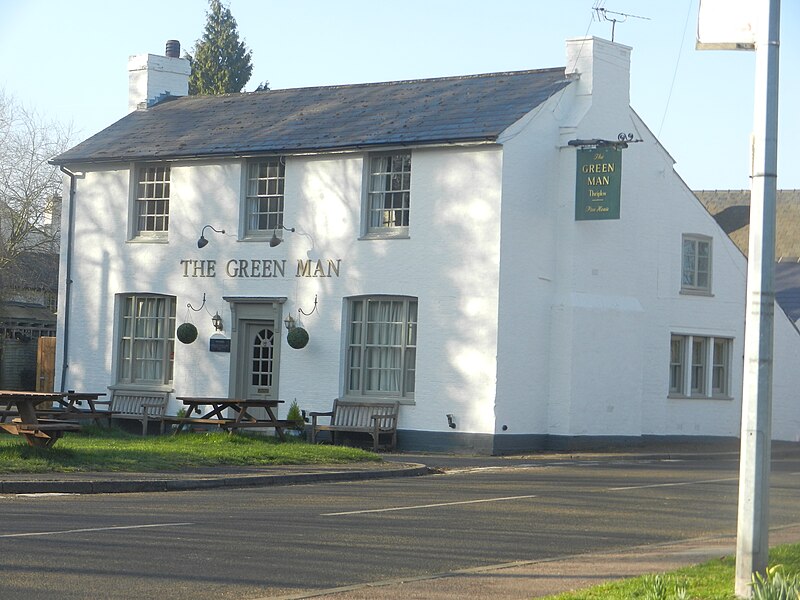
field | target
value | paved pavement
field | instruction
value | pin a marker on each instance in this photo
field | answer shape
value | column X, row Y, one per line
column 524, row 579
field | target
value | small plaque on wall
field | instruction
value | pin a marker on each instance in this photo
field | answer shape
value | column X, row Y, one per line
column 219, row 345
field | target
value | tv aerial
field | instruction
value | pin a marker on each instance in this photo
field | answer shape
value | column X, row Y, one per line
column 618, row 17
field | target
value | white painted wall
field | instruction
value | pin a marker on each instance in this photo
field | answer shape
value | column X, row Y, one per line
column 449, row 262
column 528, row 319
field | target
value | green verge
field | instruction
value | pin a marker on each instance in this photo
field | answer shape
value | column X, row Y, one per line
column 100, row 449
column 713, row 580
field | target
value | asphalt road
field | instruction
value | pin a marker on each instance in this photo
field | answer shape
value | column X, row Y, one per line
column 260, row 543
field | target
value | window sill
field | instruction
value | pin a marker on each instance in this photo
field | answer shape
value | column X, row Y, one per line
column 377, row 399
column 141, row 387
column 148, row 240
column 691, row 292
column 386, row 235
column 696, row 397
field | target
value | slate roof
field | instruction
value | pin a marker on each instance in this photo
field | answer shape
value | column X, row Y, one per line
column 32, row 271
column 731, row 209
column 424, row 111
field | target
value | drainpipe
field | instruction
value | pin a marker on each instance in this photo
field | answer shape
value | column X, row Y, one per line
column 68, row 273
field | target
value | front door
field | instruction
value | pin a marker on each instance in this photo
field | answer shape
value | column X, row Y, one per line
column 258, row 366
column 261, row 351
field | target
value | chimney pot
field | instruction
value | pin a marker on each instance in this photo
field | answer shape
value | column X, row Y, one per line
column 173, row 49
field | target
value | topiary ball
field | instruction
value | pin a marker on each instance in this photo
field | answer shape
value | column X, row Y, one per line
column 187, row 333
column 297, row 338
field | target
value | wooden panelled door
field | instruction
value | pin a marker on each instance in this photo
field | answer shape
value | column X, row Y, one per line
column 46, row 364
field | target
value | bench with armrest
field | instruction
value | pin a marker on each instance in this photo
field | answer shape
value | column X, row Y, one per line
column 374, row 418
column 144, row 406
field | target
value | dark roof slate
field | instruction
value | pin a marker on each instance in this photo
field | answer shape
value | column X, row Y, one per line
column 425, row 111
column 731, row 209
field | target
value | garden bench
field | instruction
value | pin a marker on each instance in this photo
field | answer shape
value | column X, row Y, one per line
column 374, row 418
column 144, row 406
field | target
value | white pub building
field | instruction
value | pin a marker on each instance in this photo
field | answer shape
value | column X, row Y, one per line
column 510, row 255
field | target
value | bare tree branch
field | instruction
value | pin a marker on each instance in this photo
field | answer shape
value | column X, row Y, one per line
column 29, row 187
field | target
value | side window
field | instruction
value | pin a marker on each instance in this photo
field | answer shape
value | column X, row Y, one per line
column 388, row 198
column 151, row 204
column 264, row 197
column 699, row 366
column 146, row 344
column 696, row 264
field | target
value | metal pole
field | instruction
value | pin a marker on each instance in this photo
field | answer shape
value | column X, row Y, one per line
column 752, row 540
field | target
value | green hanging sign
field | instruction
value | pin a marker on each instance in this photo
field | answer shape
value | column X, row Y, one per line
column 597, row 183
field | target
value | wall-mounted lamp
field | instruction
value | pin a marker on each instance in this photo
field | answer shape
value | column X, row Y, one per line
column 275, row 241
column 451, row 421
column 216, row 321
column 203, row 242
column 289, row 322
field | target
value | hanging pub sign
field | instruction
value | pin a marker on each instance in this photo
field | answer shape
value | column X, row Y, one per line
column 597, row 183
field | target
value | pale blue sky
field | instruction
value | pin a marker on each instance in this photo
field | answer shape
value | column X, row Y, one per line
column 68, row 60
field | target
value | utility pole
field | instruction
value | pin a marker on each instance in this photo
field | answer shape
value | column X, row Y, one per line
column 752, row 539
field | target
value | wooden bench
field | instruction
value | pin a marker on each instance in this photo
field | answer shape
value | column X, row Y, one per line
column 374, row 418
column 144, row 406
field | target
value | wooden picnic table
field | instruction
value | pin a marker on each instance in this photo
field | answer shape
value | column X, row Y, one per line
column 70, row 405
column 240, row 407
column 37, row 431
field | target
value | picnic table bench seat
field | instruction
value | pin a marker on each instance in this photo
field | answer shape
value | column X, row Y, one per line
column 373, row 418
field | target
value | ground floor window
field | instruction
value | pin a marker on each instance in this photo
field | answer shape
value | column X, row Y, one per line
column 146, row 339
column 699, row 366
column 381, row 346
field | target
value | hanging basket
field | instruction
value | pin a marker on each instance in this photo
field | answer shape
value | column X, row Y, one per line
column 297, row 338
column 187, row 333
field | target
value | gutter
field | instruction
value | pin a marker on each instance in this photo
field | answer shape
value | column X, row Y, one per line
column 68, row 272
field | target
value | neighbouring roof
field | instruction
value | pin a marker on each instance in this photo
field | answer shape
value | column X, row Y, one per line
column 31, row 271
column 731, row 209
column 424, row 111
column 23, row 314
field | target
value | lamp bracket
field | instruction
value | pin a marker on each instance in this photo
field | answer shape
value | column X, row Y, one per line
column 188, row 305
column 302, row 312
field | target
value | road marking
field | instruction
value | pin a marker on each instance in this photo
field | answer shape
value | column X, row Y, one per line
column 421, row 506
column 676, row 484
column 91, row 529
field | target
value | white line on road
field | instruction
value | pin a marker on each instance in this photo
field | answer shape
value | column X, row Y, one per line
column 675, row 484
column 420, row 506
column 92, row 529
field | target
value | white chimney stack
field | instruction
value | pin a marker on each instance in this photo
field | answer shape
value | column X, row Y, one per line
column 603, row 69
column 150, row 77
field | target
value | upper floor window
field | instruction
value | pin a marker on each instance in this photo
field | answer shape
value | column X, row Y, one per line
column 152, row 200
column 264, row 202
column 696, row 264
column 146, row 344
column 699, row 366
column 389, row 193
column 382, row 347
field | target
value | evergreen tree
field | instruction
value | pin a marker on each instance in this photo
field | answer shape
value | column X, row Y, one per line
column 220, row 62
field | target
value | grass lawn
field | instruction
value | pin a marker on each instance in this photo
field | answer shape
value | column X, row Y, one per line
column 713, row 580
column 100, row 449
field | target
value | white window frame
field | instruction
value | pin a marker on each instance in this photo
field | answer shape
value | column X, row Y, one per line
column 701, row 365
column 368, row 372
column 692, row 274
column 145, row 321
column 150, row 198
column 380, row 220
column 264, row 198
